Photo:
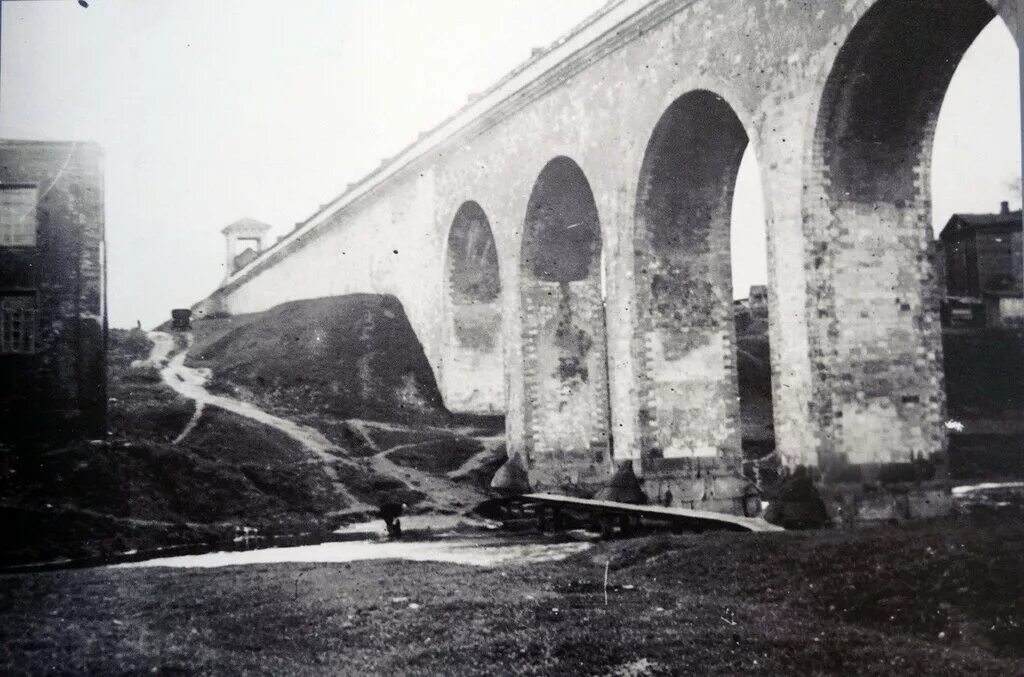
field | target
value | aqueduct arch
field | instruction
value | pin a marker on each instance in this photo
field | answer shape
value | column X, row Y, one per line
column 473, row 375
column 840, row 100
column 563, row 322
column 684, row 333
column 876, row 346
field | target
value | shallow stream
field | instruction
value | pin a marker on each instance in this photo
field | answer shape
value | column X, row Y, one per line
column 486, row 551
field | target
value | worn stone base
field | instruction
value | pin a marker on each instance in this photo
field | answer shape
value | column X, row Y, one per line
column 718, row 493
column 860, row 504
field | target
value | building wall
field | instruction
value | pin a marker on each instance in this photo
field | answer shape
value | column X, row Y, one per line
column 61, row 387
column 982, row 258
column 599, row 106
column 999, row 266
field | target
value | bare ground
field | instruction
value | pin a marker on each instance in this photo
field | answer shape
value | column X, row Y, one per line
column 938, row 598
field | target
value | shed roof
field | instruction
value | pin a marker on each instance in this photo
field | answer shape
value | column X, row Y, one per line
column 245, row 224
column 975, row 222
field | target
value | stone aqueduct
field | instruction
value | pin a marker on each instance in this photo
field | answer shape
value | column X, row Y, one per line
column 561, row 244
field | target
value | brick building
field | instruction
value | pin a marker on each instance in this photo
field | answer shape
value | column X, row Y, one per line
column 53, row 322
column 981, row 261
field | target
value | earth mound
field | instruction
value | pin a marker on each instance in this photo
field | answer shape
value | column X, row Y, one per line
column 353, row 356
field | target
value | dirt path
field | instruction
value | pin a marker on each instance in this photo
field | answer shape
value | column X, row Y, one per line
column 477, row 460
column 191, row 383
column 441, row 492
column 360, row 427
column 367, row 426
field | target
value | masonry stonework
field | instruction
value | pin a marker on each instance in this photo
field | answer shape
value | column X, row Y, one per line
column 856, row 375
column 685, row 344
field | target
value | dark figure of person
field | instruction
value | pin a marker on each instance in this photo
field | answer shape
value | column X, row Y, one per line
column 390, row 511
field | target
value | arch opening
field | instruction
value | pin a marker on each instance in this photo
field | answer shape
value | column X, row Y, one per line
column 748, row 236
column 976, row 173
column 685, row 336
column 876, row 340
column 474, row 369
column 563, row 238
column 473, row 275
column 566, row 405
column 883, row 95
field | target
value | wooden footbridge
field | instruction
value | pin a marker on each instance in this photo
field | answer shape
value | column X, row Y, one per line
column 550, row 509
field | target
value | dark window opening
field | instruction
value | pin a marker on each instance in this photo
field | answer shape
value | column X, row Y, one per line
column 18, row 323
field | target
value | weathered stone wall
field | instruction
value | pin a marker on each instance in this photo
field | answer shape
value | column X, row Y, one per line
column 473, row 359
column 566, row 399
column 685, row 330
column 61, row 388
column 876, row 337
column 597, row 98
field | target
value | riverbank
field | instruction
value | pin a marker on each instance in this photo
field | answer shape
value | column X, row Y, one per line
column 941, row 597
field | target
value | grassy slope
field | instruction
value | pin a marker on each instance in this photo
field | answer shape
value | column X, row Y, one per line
column 438, row 457
column 851, row 602
column 136, row 490
column 141, row 407
column 311, row 361
column 347, row 356
column 351, row 367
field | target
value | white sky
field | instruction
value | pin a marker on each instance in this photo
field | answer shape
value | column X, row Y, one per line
column 213, row 110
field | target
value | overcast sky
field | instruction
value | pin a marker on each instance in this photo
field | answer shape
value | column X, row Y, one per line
column 213, row 110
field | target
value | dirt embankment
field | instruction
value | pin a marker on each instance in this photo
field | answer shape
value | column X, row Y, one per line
column 352, row 368
column 352, row 356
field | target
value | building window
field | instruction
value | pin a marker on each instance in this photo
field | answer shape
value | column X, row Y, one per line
column 17, row 324
column 18, row 216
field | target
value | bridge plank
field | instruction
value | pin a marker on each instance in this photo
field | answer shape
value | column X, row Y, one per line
column 657, row 511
